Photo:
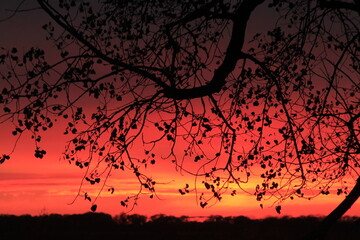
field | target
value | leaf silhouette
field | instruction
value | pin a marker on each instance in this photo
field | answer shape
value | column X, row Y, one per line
column 93, row 207
column 278, row 209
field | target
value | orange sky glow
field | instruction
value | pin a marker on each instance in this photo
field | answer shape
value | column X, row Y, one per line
column 50, row 185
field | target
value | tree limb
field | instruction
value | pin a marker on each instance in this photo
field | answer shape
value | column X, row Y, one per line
column 233, row 54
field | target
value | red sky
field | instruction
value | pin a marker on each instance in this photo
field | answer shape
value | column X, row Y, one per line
column 35, row 186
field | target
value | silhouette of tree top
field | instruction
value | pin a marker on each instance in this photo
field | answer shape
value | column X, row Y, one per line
column 184, row 81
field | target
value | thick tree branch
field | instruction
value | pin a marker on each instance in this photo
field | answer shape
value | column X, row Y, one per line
column 336, row 214
column 340, row 5
column 233, row 54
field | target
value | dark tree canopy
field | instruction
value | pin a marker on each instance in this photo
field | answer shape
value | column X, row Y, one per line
column 185, row 82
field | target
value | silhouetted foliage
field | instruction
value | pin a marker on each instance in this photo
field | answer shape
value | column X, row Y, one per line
column 184, row 81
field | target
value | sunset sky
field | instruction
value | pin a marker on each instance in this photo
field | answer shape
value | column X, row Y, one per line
column 29, row 185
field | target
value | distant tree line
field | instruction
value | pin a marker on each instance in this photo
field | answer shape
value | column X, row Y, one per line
column 134, row 226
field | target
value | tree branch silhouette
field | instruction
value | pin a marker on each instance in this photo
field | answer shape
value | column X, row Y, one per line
column 135, row 83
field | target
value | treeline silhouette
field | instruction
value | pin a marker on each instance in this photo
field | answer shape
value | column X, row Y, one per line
column 103, row 226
